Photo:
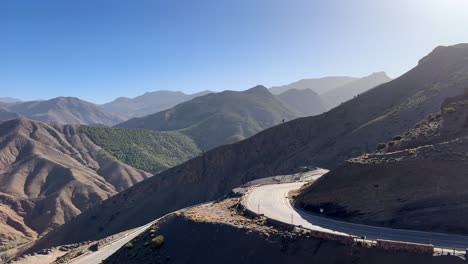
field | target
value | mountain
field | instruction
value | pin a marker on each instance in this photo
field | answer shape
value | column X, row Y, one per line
column 9, row 100
column 221, row 118
column 51, row 173
column 346, row 92
column 305, row 101
column 7, row 115
column 151, row 151
column 353, row 128
column 320, row 85
column 149, row 103
column 416, row 181
column 65, row 110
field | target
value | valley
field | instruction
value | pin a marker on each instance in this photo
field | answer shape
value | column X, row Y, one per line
column 139, row 132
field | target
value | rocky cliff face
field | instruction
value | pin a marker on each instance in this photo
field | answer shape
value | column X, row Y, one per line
column 418, row 180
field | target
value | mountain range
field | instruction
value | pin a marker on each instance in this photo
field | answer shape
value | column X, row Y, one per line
column 319, row 85
column 9, row 100
column 329, row 91
column 63, row 110
column 326, row 140
column 305, row 102
column 148, row 103
column 343, row 93
column 219, row 118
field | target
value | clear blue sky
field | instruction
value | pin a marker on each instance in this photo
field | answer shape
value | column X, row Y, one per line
column 102, row 49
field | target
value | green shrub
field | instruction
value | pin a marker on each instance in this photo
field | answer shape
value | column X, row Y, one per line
column 148, row 150
column 129, row 245
column 381, row 146
column 157, row 241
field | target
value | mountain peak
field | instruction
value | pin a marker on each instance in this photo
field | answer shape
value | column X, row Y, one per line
column 379, row 74
column 259, row 89
column 445, row 54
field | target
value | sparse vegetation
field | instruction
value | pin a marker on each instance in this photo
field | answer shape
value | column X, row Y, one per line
column 381, row 146
column 157, row 242
column 148, row 150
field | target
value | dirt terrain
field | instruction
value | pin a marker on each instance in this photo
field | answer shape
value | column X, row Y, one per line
column 50, row 174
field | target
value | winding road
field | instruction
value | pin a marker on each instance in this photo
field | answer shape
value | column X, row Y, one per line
column 106, row 251
column 271, row 201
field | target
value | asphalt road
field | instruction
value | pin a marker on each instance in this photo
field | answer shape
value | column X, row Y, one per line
column 271, row 201
column 105, row 252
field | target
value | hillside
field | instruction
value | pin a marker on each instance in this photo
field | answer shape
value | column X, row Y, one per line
column 346, row 92
column 416, row 181
column 326, row 140
column 148, row 103
column 7, row 115
column 320, row 85
column 218, row 233
column 65, row 110
column 148, row 150
column 49, row 174
column 306, row 102
column 222, row 118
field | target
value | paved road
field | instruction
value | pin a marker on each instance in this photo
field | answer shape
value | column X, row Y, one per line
column 271, row 201
column 105, row 252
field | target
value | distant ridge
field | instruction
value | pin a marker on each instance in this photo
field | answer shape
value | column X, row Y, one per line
column 319, row 85
column 305, row 101
column 220, row 118
column 148, row 103
column 346, row 92
column 65, row 110
column 9, row 100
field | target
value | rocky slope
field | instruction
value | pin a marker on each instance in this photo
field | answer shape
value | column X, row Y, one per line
column 325, row 140
column 417, row 181
column 65, row 110
column 346, row 92
column 320, row 85
column 221, row 118
column 50, row 174
column 217, row 233
column 306, row 102
column 148, row 103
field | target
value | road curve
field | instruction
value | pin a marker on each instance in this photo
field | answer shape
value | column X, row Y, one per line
column 271, row 201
